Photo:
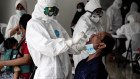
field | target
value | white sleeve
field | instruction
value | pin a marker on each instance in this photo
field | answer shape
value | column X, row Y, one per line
column 80, row 27
column 9, row 27
column 39, row 39
column 121, row 31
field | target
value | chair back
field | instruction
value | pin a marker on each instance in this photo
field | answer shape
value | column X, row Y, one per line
column 3, row 28
column 135, row 42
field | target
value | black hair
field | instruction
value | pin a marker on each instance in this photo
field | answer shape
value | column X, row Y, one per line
column 24, row 20
column 10, row 42
column 82, row 4
column 110, row 42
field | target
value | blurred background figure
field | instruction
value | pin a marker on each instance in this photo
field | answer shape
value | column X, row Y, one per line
column 133, row 11
column 80, row 11
column 114, row 14
column 12, row 29
column 129, row 29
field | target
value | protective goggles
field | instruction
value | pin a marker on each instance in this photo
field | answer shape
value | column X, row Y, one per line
column 50, row 11
column 96, row 13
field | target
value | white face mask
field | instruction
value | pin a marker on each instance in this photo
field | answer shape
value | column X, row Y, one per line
column 95, row 19
column 79, row 10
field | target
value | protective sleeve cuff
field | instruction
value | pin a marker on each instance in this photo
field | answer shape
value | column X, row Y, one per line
column 69, row 42
column 80, row 47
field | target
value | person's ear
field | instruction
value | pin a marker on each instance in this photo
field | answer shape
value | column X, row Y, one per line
column 102, row 45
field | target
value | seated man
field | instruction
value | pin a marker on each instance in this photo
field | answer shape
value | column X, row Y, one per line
column 92, row 67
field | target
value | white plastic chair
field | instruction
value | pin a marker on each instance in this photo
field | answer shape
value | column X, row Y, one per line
column 3, row 28
column 135, row 42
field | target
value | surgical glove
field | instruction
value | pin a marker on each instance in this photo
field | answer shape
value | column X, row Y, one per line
column 80, row 47
column 69, row 42
column 78, row 36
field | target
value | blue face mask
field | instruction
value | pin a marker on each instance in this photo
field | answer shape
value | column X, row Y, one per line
column 57, row 33
column 21, row 34
column 90, row 49
column 20, row 12
column 79, row 10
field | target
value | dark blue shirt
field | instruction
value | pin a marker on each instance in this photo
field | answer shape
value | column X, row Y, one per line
column 93, row 69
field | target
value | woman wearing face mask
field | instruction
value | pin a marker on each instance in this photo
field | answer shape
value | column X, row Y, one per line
column 12, row 29
column 79, row 13
column 25, row 61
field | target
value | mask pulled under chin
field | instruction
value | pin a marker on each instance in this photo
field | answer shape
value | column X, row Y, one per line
column 90, row 49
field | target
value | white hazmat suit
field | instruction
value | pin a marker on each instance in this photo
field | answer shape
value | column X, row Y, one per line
column 14, row 21
column 133, row 11
column 105, row 22
column 129, row 29
column 48, row 44
column 114, row 14
column 86, row 25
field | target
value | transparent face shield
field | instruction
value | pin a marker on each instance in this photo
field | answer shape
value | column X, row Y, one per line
column 96, row 13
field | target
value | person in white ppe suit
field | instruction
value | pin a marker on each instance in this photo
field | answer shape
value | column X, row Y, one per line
column 133, row 11
column 48, row 42
column 105, row 22
column 114, row 14
column 12, row 29
column 89, row 23
column 129, row 29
